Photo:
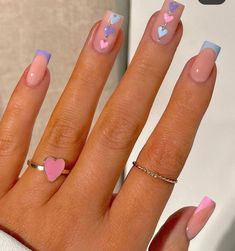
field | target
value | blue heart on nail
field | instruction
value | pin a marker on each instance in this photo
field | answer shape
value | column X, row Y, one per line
column 108, row 31
column 173, row 6
column 115, row 19
column 162, row 31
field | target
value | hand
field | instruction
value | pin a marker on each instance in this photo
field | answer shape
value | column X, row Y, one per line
column 79, row 211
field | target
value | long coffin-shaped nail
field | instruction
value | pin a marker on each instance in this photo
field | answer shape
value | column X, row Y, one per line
column 205, row 61
column 38, row 67
column 107, row 32
column 200, row 217
column 167, row 22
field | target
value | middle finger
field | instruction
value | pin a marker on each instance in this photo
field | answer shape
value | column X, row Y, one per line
column 113, row 137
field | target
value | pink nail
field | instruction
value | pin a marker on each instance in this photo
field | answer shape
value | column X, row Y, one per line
column 200, row 217
column 38, row 67
column 167, row 21
column 205, row 61
column 107, row 32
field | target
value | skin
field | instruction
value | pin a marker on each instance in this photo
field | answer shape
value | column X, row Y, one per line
column 80, row 212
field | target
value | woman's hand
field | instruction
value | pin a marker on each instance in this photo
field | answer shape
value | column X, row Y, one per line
column 79, row 211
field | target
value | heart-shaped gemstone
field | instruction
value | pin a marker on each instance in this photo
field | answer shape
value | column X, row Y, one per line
column 173, row 6
column 168, row 18
column 114, row 18
column 104, row 44
column 109, row 30
column 53, row 168
column 162, row 31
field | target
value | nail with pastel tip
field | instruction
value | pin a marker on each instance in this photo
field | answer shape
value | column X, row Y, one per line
column 200, row 217
column 205, row 62
column 167, row 22
column 38, row 68
column 107, row 33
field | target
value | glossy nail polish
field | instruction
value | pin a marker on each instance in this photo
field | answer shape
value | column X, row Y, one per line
column 167, row 22
column 38, row 67
column 200, row 217
column 204, row 62
column 107, row 32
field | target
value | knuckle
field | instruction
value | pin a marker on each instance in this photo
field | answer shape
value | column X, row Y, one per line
column 144, row 65
column 166, row 156
column 118, row 130
column 64, row 134
column 8, row 144
column 86, row 75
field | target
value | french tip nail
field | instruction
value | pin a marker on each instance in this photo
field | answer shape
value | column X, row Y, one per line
column 210, row 45
column 205, row 202
column 46, row 54
column 200, row 217
column 38, row 67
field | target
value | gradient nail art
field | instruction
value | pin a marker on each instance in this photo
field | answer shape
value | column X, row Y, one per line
column 167, row 21
column 38, row 67
column 205, row 61
column 200, row 217
column 107, row 32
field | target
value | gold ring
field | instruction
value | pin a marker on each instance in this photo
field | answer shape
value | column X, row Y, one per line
column 155, row 175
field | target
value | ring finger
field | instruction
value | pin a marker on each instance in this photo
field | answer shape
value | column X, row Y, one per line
column 70, row 122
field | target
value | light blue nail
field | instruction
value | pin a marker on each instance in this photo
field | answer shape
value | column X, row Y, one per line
column 212, row 46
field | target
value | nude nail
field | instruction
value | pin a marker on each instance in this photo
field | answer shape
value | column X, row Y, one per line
column 167, row 22
column 204, row 62
column 107, row 32
column 200, row 217
column 38, row 67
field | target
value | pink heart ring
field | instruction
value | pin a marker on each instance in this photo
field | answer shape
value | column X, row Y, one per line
column 53, row 167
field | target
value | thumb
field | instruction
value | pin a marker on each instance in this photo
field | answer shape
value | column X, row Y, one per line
column 182, row 227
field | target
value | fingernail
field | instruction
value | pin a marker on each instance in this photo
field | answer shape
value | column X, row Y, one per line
column 200, row 217
column 205, row 61
column 167, row 21
column 38, row 67
column 107, row 32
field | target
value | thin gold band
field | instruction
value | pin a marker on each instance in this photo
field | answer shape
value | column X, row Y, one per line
column 153, row 174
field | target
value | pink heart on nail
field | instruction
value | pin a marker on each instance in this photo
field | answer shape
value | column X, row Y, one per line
column 53, row 168
column 168, row 18
column 104, row 44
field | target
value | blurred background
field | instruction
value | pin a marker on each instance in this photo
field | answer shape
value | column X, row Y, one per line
column 61, row 27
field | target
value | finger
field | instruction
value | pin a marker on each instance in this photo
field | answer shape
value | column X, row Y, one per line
column 18, row 119
column 182, row 227
column 169, row 144
column 70, row 122
column 124, row 116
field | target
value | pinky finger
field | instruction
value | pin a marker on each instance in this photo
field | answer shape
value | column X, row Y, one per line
column 182, row 227
column 18, row 119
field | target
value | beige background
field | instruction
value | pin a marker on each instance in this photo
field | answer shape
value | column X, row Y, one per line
column 210, row 167
column 59, row 26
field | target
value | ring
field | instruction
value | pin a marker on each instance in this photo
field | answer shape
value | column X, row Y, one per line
column 155, row 175
column 53, row 167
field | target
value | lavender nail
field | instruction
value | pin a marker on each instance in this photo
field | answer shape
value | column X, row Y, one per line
column 46, row 54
